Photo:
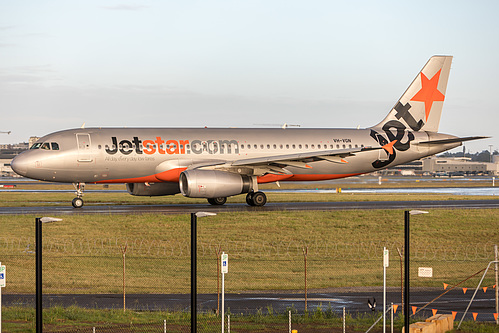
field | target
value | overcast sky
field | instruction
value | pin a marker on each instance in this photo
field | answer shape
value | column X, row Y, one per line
column 229, row 63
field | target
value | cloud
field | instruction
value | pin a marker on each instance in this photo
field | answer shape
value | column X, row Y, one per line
column 7, row 45
column 126, row 7
column 27, row 74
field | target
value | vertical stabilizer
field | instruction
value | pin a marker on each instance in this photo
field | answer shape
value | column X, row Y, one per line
column 420, row 107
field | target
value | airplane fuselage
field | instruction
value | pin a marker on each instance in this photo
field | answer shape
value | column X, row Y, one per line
column 137, row 155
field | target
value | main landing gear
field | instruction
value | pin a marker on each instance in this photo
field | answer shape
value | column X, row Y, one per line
column 217, row 201
column 256, row 199
column 78, row 201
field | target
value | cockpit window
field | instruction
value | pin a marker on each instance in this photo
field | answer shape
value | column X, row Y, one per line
column 45, row 146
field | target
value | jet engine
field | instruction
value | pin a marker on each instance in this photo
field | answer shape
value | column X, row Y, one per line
column 214, row 184
column 154, row 189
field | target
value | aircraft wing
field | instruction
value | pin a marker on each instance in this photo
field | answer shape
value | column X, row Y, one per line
column 276, row 164
column 336, row 156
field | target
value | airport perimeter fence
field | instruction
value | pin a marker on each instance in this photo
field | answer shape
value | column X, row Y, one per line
column 92, row 266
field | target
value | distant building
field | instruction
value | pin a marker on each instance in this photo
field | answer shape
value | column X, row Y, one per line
column 9, row 151
column 449, row 166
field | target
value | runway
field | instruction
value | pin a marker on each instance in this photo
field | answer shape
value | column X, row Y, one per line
column 279, row 206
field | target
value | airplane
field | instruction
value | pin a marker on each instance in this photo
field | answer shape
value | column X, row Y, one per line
column 216, row 163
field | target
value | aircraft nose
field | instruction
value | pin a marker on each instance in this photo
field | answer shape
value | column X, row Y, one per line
column 20, row 165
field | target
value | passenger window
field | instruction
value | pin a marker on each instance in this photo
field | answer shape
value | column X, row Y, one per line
column 268, row 146
column 255, row 146
column 55, row 145
column 306, row 146
column 45, row 146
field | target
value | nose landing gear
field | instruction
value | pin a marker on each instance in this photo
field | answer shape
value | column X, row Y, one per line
column 78, row 201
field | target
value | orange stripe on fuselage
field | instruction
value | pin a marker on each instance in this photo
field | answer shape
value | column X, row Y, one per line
column 165, row 176
column 174, row 174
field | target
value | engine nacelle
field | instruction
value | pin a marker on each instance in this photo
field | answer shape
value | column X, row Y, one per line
column 154, row 189
column 214, row 184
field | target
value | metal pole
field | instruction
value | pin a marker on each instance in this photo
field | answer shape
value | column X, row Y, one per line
column 497, row 282
column 344, row 321
column 305, row 253
column 123, row 251
column 0, row 305
column 193, row 273
column 223, row 300
column 406, row 275
column 391, row 318
column 38, row 269
column 384, row 290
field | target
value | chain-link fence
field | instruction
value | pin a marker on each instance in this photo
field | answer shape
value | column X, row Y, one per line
column 142, row 274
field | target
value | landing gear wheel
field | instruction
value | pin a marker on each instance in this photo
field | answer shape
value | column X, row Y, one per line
column 257, row 199
column 217, row 201
column 249, row 198
column 77, row 202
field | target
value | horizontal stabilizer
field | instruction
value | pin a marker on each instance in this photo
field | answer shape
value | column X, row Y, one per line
column 454, row 140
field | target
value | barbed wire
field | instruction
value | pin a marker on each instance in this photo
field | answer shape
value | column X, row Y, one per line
column 142, row 247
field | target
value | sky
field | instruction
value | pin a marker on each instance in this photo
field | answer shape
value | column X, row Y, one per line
column 231, row 63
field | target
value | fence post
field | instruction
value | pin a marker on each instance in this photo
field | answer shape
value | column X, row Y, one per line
column 164, row 326
column 497, row 282
column 123, row 251
column 217, row 252
column 391, row 318
column 344, row 320
column 289, row 321
column 305, row 253
column 401, row 279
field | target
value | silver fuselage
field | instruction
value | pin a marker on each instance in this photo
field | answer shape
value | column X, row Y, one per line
column 140, row 155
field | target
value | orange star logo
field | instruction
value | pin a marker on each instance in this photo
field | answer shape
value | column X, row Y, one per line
column 429, row 92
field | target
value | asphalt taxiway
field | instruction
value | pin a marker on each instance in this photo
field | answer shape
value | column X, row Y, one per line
column 354, row 301
column 240, row 207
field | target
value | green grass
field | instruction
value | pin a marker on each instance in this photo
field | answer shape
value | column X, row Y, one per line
column 265, row 250
column 323, row 319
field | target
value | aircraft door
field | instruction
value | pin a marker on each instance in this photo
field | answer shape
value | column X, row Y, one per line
column 84, row 147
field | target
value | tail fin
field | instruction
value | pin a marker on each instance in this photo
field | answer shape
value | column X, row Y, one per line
column 420, row 106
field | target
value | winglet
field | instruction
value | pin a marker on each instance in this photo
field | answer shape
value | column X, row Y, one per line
column 389, row 147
